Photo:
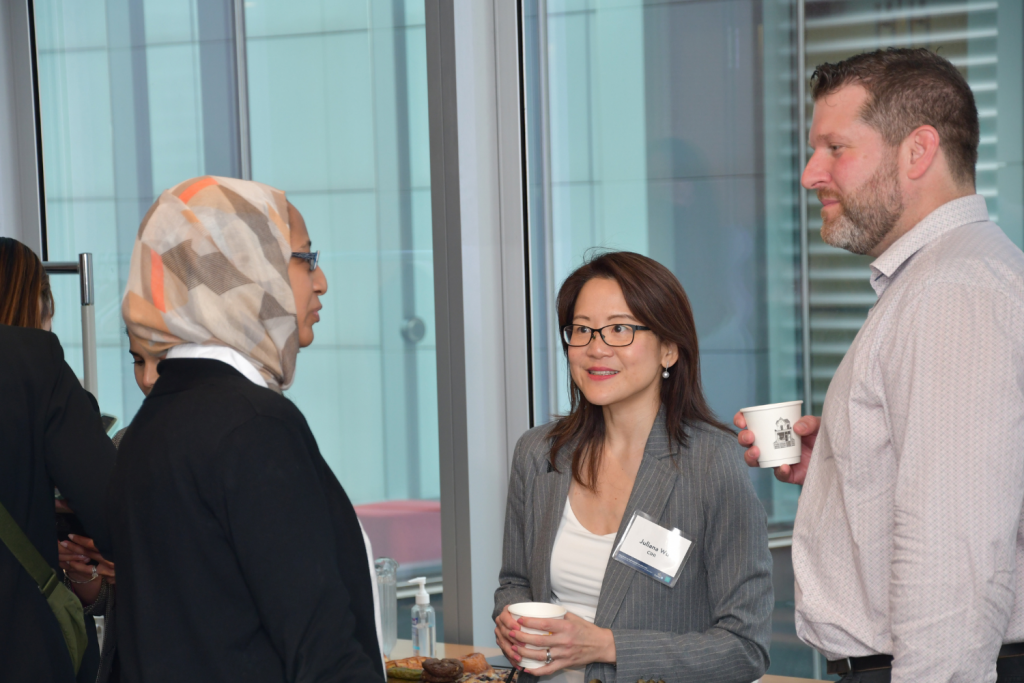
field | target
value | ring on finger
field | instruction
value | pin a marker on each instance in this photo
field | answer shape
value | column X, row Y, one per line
column 549, row 657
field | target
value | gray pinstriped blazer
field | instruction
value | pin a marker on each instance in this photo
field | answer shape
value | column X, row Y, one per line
column 715, row 625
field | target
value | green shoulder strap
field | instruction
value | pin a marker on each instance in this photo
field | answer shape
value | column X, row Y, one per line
column 22, row 549
column 65, row 605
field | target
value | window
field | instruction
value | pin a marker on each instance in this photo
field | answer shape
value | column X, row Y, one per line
column 138, row 95
column 672, row 128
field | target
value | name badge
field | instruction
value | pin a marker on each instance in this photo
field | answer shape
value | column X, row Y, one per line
column 650, row 548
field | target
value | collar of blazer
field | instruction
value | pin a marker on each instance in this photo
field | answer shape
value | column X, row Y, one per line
column 654, row 483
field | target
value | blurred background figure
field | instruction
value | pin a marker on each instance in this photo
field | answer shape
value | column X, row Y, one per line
column 52, row 437
column 101, row 598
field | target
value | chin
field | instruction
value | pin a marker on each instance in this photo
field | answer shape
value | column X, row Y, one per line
column 599, row 398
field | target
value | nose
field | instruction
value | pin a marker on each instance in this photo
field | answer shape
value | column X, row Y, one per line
column 150, row 376
column 815, row 174
column 598, row 348
column 319, row 281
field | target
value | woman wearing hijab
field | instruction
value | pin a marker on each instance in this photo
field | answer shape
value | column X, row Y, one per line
column 239, row 555
column 50, row 435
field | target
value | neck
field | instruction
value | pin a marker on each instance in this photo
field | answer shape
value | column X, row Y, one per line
column 917, row 209
column 627, row 424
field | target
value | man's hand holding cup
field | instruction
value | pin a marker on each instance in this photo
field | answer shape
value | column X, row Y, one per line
column 805, row 427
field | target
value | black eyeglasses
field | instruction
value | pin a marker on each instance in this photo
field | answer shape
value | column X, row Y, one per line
column 312, row 256
column 619, row 334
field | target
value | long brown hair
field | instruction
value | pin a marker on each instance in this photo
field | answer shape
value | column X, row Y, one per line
column 23, row 286
column 657, row 300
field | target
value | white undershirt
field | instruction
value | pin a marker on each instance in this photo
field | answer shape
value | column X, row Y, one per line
column 239, row 362
column 578, row 562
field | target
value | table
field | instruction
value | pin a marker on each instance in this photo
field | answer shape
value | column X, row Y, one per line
column 403, row 648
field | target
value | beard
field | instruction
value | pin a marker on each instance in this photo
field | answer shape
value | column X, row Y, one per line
column 867, row 215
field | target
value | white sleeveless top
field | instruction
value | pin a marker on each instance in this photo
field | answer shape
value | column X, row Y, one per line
column 578, row 560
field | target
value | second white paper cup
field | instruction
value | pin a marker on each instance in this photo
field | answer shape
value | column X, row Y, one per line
column 536, row 610
column 773, row 432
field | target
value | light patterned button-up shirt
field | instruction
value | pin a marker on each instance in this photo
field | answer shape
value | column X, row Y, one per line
column 908, row 538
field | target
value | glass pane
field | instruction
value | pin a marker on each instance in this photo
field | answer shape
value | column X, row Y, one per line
column 129, row 106
column 338, row 120
column 966, row 34
column 137, row 95
column 630, row 147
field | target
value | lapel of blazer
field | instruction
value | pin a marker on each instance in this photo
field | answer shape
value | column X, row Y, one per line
column 651, row 490
column 552, row 491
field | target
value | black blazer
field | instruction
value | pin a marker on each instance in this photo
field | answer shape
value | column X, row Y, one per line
column 239, row 555
column 50, row 435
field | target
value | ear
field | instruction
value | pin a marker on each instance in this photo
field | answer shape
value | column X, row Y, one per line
column 669, row 354
column 920, row 150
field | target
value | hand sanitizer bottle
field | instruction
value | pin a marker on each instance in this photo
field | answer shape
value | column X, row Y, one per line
column 424, row 627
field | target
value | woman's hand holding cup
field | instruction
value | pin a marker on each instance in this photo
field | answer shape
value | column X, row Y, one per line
column 503, row 626
column 572, row 642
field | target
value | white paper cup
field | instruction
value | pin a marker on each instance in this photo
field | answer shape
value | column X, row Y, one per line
column 773, row 432
column 536, row 610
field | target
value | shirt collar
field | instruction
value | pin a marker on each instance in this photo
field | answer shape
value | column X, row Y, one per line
column 962, row 211
column 224, row 354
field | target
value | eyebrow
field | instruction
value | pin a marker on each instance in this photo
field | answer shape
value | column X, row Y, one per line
column 830, row 138
column 627, row 316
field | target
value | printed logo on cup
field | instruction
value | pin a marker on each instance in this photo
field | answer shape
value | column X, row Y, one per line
column 783, row 434
column 773, row 432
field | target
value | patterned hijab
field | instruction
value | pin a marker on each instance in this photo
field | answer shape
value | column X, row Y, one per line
column 210, row 266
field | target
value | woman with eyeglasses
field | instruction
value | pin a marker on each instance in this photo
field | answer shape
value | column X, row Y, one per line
column 634, row 512
column 239, row 555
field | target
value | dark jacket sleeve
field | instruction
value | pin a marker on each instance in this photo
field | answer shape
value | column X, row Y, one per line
column 739, row 571
column 280, row 527
column 79, row 454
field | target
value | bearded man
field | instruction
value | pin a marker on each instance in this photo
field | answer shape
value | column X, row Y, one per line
column 908, row 549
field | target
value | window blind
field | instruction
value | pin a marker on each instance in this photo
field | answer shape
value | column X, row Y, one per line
column 966, row 33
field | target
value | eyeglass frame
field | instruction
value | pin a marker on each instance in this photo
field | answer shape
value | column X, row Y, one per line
column 600, row 330
column 312, row 256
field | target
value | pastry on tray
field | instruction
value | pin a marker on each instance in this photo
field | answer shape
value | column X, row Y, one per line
column 473, row 669
column 409, row 669
column 442, row 670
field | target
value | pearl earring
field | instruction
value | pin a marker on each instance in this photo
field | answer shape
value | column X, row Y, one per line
column 664, row 373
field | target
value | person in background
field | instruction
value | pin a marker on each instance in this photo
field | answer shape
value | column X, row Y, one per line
column 640, row 437
column 907, row 547
column 239, row 555
column 51, row 436
column 76, row 551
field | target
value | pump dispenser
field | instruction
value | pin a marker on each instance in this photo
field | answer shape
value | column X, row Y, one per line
column 424, row 626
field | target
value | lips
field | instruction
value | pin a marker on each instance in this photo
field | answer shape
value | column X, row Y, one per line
column 827, row 200
column 601, row 374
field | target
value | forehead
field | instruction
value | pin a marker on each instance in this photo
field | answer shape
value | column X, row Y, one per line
column 137, row 346
column 297, row 225
column 600, row 296
column 838, row 113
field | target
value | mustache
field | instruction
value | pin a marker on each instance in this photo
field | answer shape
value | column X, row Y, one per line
column 829, row 194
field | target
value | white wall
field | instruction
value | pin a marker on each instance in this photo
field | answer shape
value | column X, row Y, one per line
column 19, row 198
